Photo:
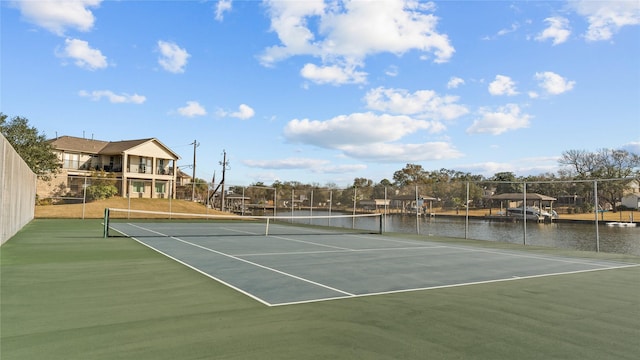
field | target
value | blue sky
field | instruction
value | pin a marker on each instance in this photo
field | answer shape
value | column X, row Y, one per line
column 328, row 91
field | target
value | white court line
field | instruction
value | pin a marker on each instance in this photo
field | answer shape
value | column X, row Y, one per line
column 310, row 242
column 202, row 272
column 350, row 296
column 247, row 261
column 340, row 251
column 454, row 285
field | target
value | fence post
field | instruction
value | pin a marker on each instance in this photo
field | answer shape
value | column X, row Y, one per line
column 595, row 211
column 466, row 222
column 524, row 213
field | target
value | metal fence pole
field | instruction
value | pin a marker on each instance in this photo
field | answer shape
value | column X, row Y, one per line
column 129, row 195
column 417, row 213
column 595, row 211
column 466, row 222
column 524, row 213
column 84, row 196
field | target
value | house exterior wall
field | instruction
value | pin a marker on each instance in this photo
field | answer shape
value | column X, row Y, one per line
column 147, row 169
column 631, row 201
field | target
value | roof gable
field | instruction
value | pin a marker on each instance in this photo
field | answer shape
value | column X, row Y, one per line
column 117, row 147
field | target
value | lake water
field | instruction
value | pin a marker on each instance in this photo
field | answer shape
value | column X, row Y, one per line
column 577, row 236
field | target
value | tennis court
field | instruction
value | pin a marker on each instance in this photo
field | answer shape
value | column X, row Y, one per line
column 294, row 265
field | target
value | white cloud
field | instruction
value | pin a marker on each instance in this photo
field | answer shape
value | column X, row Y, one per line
column 357, row 128
column 553, row 83
column 454, row 82
column 522, row 167
column 113, row 97
column 607, row 17
column 221, row 7
column 422, row 103
column 514, row 27
column 313, row 165
column 383, row 27
column 333, row 74
column 83, row 55
column 172, row 57
column 59, row 15
column 388, row 152
column 244, row 112
column 192, row 109
column 370, row 137
column 632, row 147
column 506, row 118
column 392, row 71
column 341, row 169
column 290, row 163
column 558, row 30
column 502, row 85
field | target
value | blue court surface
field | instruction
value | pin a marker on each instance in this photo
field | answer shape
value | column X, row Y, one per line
column 291, row 266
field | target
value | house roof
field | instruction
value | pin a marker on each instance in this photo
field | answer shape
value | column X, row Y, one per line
column 520, row 196
column 412, row 197
column 117, row 147
column 90, row 146
column 78, row 144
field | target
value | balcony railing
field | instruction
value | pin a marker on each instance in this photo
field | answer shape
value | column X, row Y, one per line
column 93, row 166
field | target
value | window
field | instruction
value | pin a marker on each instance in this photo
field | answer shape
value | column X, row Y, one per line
column 161, row 169
column 71, row 161
column 145, row 165
column 160, row 187
column 138, row 186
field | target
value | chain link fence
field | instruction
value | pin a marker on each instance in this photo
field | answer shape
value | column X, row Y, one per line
column 592, row 215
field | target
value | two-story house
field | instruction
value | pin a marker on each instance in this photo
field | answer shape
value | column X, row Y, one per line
column 143, row 168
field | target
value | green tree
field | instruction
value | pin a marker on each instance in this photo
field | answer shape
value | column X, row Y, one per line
column 411, row 174
column 507, row 183
column 30, row 145
column 103, row 186
column 603, row 164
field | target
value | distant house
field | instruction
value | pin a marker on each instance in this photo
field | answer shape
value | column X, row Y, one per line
column 412, row 204
column 374, row 204
column 631, row 201
column 631, row 198
column 182, row 178
column 143, row 168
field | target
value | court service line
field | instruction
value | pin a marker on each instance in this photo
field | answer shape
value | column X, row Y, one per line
column 310, row 243
column 340, row 251
column 248, row 262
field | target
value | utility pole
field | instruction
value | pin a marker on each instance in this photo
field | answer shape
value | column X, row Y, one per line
column 193, row 179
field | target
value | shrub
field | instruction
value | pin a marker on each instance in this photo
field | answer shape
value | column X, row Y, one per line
column 101, row 192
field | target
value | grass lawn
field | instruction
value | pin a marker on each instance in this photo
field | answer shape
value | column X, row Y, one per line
column 67, row 293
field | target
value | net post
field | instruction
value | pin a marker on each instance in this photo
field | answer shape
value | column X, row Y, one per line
column 266, row 231
column 380, row 218
column 105, row 231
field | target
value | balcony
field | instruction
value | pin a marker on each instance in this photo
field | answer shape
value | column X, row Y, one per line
column 140, row 169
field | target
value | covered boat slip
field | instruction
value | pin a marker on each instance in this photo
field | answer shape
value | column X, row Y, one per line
column 532, row 207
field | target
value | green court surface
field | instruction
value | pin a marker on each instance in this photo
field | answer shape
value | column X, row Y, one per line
column 68, row 293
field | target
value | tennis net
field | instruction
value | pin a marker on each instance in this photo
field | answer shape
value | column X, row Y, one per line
column 141, row 223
